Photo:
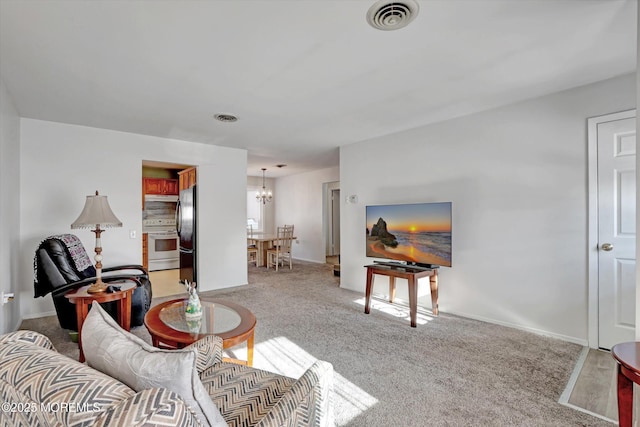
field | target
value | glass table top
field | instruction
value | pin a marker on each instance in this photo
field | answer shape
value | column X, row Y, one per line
column 216, row 318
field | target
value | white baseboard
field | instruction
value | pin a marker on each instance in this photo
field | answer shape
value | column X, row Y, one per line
column 580, row 341
column 315, row 261
column 39, row 315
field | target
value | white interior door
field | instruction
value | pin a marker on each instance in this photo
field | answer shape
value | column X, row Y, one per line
column 616, row 140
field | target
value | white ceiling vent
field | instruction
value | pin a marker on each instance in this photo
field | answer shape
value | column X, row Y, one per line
column 225, row 118
column 390, row 15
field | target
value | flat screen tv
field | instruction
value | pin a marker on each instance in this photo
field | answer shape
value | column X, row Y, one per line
column 418, row 234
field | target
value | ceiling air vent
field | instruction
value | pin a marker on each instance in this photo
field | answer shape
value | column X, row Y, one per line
column 226, row 118
column 389, row 15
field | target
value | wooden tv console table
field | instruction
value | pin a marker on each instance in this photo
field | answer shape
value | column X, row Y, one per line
column 404, row 272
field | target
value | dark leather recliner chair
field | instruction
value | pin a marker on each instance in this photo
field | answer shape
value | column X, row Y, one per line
column 56, row 273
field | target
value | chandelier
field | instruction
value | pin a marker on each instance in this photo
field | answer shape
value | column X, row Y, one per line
column 266, row 195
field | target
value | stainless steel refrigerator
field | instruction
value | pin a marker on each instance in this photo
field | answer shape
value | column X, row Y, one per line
column 187, row 225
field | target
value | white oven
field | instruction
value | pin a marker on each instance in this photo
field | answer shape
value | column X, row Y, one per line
column 163, row 249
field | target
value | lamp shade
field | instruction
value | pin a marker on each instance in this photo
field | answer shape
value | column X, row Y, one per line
column 96, row 212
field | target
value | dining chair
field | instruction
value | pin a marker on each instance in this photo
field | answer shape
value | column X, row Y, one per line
column 252, row 248
column 281, row 250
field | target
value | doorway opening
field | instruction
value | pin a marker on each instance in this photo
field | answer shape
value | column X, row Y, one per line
column 162, row 184
column 332, row 224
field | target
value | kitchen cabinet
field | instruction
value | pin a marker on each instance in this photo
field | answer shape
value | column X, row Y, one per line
column 160, row 186
column 187, row 178
column 145, row 251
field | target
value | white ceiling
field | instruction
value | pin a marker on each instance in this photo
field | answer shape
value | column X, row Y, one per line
column 304, row 77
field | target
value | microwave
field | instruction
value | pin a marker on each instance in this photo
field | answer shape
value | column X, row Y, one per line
column 156, row 207
column 160, row 198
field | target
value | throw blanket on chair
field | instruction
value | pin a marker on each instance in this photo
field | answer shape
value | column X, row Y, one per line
column 76, row 250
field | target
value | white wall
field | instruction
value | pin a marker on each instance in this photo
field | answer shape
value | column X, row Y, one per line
column 61, row 164
column 9, row 207
column 517, row 177
column 299, row 200
column 637, row 181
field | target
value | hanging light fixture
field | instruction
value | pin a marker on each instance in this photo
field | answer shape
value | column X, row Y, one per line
column 266, row 195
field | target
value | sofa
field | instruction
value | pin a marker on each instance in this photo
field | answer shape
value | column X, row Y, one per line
column 39, row 386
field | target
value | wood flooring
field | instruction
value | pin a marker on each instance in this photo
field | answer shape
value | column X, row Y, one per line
column 594, row 390
column 165, row 283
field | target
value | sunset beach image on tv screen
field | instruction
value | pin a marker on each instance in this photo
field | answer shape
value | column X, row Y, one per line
column 419, row 233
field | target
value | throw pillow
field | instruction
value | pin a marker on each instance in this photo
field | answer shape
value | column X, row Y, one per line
column 127, row 358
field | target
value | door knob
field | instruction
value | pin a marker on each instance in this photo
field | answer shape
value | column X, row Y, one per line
column 606, row 247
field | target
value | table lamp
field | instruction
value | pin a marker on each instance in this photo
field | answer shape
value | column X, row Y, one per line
column 97, row 213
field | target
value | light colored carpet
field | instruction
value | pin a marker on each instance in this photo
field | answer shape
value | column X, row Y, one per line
column 448, row 371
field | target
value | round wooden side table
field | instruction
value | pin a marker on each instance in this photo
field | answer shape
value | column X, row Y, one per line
column 83, row 299
column 627, row 355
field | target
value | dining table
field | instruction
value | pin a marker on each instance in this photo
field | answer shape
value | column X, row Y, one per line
column 263, row 242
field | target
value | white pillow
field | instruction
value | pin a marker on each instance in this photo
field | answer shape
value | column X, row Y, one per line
column 127, row 358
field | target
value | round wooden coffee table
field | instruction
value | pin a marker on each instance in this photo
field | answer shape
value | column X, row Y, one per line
column 169, row 328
